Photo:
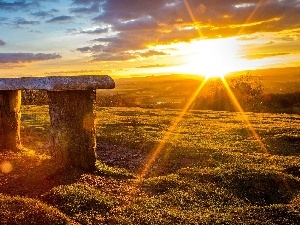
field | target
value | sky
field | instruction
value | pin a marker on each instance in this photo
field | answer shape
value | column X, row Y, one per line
column 141, row 37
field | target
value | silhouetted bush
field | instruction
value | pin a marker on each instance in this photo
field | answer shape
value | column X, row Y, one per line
column 247, row 89
column 249, row 92
column 285, row 103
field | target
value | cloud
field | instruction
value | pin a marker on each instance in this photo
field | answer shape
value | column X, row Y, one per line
column 94, row 8
column 22, row 21
column 10, row 66
column 2, row 42
column 25, row 57
column 84, row 2
column 60, row 19
column 155, row 66
column 247, row 38
column 139, row 24
column 44, row 14
column 80, row 72
column 18, row 22
column 120, row 43
column 98, row 30
column 99, row 53
column 17, row 5
column 151, row 53
column 266, row 55
column 92, row 49
column 215, row 15
column 134, row 41
column 3, row 19
column 126, row 10
column 293, row 35
column 122, row 56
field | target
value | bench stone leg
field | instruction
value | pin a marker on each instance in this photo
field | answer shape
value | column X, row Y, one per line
column 10, row 115
column 72, row 128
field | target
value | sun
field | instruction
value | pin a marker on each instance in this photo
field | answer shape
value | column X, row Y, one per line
column 212, row 58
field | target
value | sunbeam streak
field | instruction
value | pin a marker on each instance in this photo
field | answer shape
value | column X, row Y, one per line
column 192, row 17
column 244, row 116
column 251, row 16
column 170, row 131
column 249, row 125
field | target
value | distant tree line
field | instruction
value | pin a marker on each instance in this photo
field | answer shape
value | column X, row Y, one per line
column 115, row 100
column 284, row 103
column 248, row 91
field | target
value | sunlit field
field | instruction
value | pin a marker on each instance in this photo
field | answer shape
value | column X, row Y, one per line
column 210, row 170
column 202, row 126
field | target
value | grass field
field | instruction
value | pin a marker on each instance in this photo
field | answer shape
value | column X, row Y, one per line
column 210, row 169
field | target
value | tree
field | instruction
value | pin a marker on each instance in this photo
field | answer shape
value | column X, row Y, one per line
column 249, row 91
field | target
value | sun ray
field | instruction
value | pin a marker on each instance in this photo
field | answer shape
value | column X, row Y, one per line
column 177, row 120
column 150, row 161
column 251, row 16
column 249, row 125
column 187, row 5
column 244, row 116
column 170, row 131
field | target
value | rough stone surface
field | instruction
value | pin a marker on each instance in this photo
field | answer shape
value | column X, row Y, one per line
column 58, row 83
column 72, row 128
column 10, row 102
column 71, row 105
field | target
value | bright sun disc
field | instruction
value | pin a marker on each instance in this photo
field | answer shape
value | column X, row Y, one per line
column 212, row 58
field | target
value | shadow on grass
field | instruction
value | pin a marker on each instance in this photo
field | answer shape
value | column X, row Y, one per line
column 32, row 175
column 17, row 210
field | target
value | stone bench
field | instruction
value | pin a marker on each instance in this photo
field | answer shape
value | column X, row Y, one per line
column 71, row 108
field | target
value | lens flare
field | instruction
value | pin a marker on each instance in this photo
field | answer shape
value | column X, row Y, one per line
column 6, row 167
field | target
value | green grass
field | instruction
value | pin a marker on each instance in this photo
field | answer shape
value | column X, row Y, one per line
column 211, row 170
column 202, row 138
column 17, row 210
column 82, row 202
column 104, row 170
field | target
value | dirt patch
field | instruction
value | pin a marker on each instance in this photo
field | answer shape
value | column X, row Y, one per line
column 120, row 156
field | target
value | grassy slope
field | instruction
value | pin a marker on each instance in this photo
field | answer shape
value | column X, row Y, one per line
column 210, row 171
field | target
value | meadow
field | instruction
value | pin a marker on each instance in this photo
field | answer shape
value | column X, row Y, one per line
column 211, row 168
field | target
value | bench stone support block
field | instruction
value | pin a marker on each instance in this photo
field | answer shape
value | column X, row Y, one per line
column 10, row 102
column 73, row 130
column 71, row 102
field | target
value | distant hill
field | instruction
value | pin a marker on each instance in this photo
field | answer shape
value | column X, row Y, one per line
column 167, row 88
column 176, row 88
column 275, row 80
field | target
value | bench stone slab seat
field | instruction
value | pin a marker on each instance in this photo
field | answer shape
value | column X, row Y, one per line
column 57, row 83
column 71, row 109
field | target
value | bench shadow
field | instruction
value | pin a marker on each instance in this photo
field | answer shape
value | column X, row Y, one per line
column 30, row 175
